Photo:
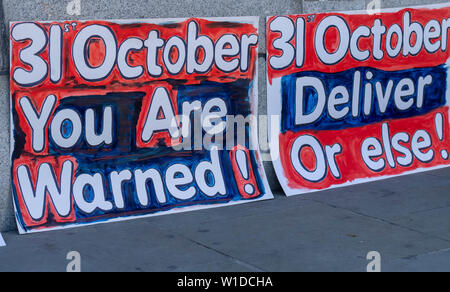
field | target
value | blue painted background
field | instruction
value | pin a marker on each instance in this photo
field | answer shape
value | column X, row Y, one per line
column 434, row 97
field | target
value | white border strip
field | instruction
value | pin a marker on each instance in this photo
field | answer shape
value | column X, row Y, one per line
column 2, row 241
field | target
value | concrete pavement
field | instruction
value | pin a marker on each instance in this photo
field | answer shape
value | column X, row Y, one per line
column 405, row 219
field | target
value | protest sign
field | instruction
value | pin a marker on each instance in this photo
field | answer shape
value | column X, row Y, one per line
column 119, row 119
column 359, row 97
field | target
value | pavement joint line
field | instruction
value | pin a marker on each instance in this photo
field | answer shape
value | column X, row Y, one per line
column 236, row 260
column 434, row 252
column 427, row 210
column 382, row 220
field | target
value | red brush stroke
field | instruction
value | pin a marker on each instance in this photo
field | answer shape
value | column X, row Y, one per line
column 313, row 63
column 33, row 164
column 214, row 30
column 240, row 180
column 350, row 162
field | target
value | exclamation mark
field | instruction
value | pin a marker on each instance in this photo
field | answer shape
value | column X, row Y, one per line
column 439, row 124
column 241, row 159
column 243, row 172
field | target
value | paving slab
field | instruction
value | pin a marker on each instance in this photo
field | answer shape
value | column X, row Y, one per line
column 312, row 236
column 392, row 197
column 127, row 246
column 437, row 261
column 435, row 222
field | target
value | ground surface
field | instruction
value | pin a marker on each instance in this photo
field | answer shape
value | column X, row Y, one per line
column 405, row 219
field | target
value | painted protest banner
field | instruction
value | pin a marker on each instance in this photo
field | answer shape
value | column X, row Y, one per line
column 359, row 97
column 119, row 119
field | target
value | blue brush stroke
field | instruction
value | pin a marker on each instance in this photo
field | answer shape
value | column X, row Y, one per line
column 434, row 97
